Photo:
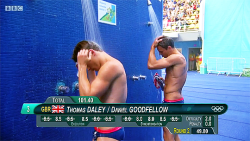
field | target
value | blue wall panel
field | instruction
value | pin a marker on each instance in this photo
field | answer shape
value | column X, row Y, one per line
column 36, row 47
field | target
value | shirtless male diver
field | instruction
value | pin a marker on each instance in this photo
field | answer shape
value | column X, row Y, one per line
column 176, row 73
column 110, row 85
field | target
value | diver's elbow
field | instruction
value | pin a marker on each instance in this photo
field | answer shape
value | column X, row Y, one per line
column 150, row 66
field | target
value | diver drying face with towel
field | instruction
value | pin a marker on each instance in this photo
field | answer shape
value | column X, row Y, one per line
column 176, row 73
column 110, row 85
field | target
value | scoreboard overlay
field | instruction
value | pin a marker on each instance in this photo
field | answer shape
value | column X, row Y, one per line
column 81, row 111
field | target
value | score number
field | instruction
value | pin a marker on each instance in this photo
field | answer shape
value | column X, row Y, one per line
column 139, row 118
column 28, row 109
column 85, row 100
column 151, row 118
column 85, row 118
column 202, row 131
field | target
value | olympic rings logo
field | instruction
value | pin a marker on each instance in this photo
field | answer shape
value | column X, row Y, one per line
column 217, row 108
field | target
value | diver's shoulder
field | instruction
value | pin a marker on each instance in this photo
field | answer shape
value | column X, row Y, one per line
column 179, row 58
column 114, row 65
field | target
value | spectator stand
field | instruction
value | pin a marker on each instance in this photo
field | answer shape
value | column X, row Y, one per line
column 181, row 15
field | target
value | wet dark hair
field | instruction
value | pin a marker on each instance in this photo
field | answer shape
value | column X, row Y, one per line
column 85, row 45
column 166, row 41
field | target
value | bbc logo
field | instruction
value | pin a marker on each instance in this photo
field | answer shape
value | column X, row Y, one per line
column 13, row 8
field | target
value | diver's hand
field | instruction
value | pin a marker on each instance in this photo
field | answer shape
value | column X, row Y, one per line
column 162, row 78
column 83, row 57
column 157, row 40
